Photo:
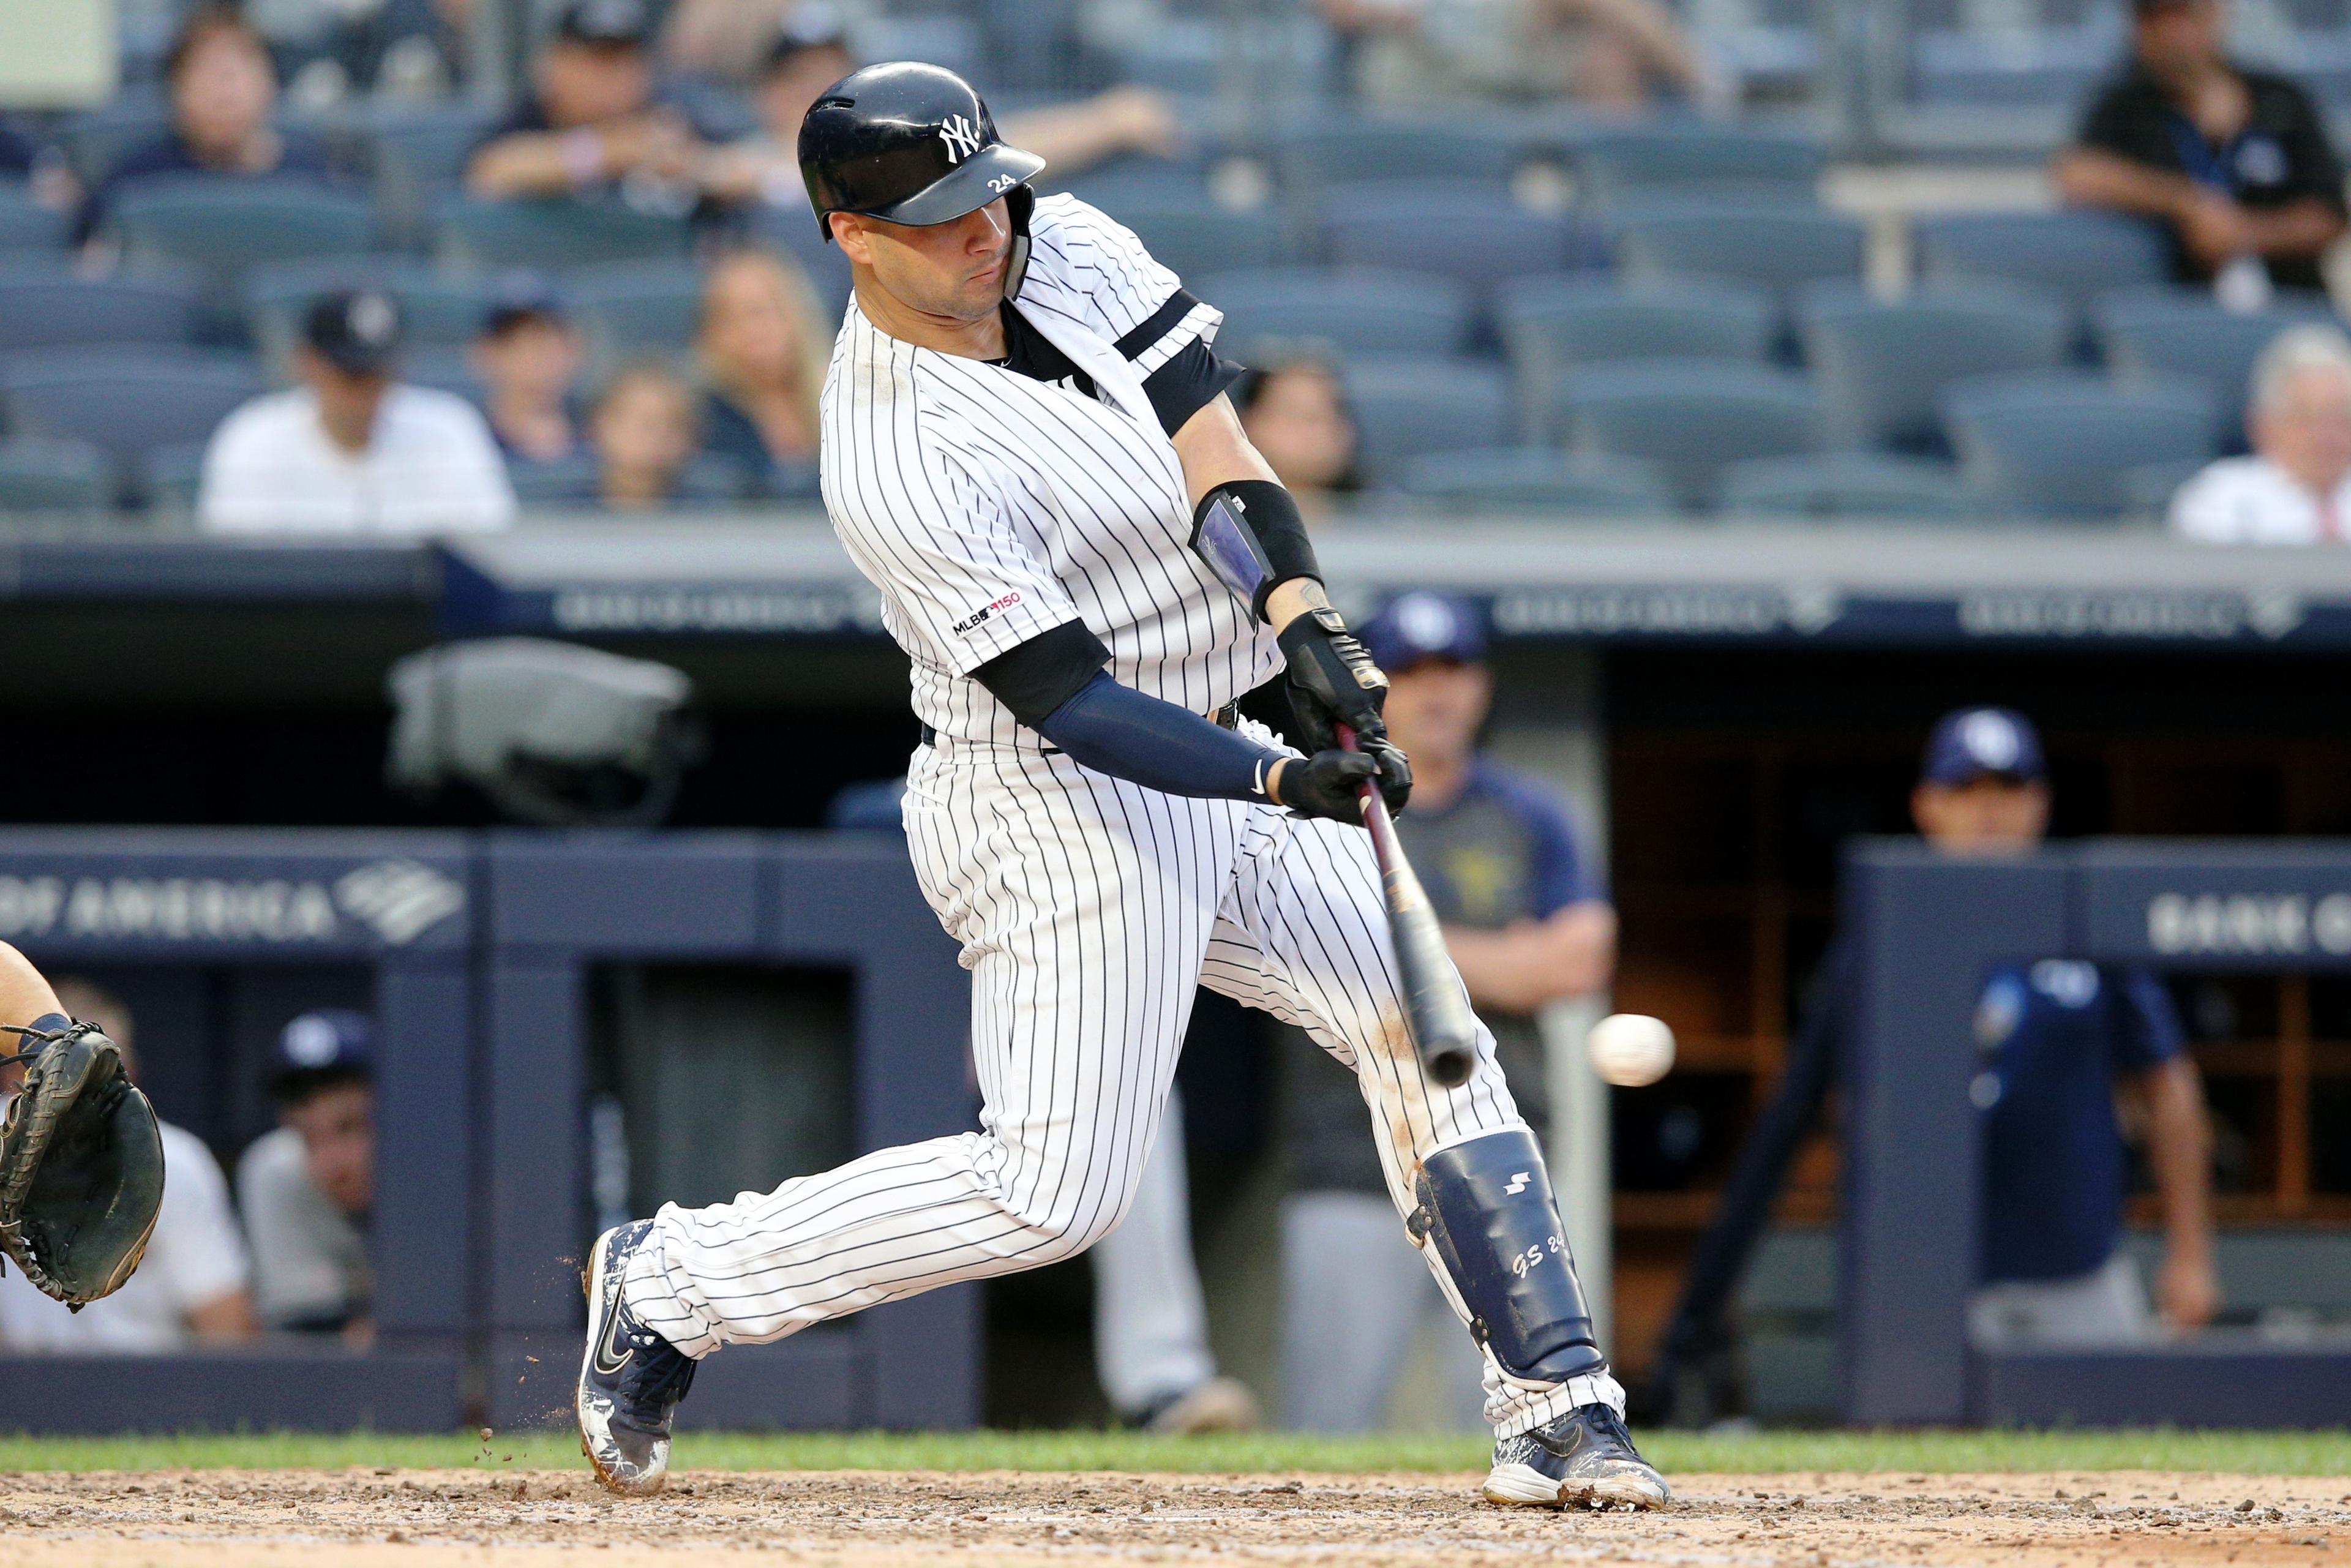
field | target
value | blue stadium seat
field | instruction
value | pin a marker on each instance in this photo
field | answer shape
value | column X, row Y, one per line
column 127, row 402
column 710, row 479
column 2077, row 253
column 1534, row 479
column 1472, row 235
column 1782, row 247
column 25, row 226
column 556, row 234
column 1847, row 485
column 436, row 306
column 95, row 139
column 1149, row 180
column 2184, row 332
column 630, row 307
column 1880, row 366
column 794, row 233
column 1407, row 405
column 445, row 368
column 1367, row 311
column 1313, row 159
column 2061, row 444
column 169, row 476
column 44, row 305
column 1549, row 325
column 52, row 473
column 416, row 160
column 224, row 228
column 1191, row 237
column 1619, row 161
column 2147, row 489
column 1692, row 417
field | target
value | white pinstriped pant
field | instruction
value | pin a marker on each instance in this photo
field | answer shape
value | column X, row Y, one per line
column 1088, row 909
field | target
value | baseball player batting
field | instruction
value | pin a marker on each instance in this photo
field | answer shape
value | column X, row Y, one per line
column 1028, row 449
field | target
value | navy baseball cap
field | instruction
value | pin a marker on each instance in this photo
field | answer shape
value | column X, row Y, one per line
column 328, row 1046
column 1423, row 625
column 618, row 23
column 357, row 330
column 522, row 296
column 1982, row 742
column 810, row 27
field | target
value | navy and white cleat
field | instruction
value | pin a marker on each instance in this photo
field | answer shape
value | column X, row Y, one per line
column 631, row 1379
column 1585, row 1457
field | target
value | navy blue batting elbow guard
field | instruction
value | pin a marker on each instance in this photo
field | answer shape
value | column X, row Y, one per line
column 1117, row 731
column 1487, row 1206
column 1252, row 536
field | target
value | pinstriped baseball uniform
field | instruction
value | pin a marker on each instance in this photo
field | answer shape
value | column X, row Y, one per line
column 990, row 502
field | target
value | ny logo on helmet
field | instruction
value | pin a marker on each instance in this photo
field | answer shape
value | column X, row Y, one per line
column 961, row 136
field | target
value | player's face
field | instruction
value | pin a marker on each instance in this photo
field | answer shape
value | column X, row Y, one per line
column 953, row 271
column 1434, row 707
column 1987, row 815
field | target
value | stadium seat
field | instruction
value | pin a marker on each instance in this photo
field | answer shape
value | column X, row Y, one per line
column 224, row 228
column 1367, row 311
column 1636, row 161
column 169, row 477
column 95, row 139
column 1531, row 479
column 416, row 157
column 1311, row 160
column 1881, row 365
column 1782, row 247
column 1474, row 235
column 25, row 226
column 46, row 305
column 2060, row 443
column 2147, row 489
column 1692, row 417
column 127, row 402
column 436, row 306
column 1190, row 237
column 1549, row 325
column 2184, row 332
column 555, row 233
column 629, row 307
column 50, row 473
column 445, row 368
column 1847, row 485
column 2077, row 253
column 1407, row 405
column 710, row 479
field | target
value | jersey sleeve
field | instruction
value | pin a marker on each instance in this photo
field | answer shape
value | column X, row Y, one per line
column 2146, row 1032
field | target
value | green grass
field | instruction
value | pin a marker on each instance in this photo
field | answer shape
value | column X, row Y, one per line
column 2248, row 1453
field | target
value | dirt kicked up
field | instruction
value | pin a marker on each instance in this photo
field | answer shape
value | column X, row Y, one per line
column 424, row 1519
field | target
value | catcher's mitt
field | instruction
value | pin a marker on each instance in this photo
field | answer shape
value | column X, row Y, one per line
column 82, row 1166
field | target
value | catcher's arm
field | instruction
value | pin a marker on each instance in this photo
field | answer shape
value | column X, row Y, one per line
column 24, row 996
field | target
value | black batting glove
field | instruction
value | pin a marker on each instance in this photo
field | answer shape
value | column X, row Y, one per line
column 1395, row 771
column 1327, row 784
column 1333, row 681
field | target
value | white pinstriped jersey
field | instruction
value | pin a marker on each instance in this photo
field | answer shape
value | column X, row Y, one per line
column 988, row 506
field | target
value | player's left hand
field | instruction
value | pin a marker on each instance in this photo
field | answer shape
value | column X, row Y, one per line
column 81, row 1166
column 1333, row 681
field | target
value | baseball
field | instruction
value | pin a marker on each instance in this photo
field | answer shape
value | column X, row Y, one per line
column 1630, row 1049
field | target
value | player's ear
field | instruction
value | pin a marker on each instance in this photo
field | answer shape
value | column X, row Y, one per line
column 850, row 234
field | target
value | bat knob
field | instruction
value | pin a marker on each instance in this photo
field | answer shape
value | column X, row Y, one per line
column 1451, row 1068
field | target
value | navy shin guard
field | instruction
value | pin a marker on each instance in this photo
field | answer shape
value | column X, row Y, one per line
column 1487, row 1206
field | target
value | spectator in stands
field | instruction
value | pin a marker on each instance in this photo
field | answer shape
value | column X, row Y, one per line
column 763, row 355
column 191, row 1288
column 645, row 434
column 731, row 41
column 528, row 354
column 1528, row 924
column 805, row 60
column 223, row 89
column 351, row 450
column 2234, row 163
column 594, row 124
column 307, row 1188
column 1613, row 54
column 2295, row 487
column 1294, row 412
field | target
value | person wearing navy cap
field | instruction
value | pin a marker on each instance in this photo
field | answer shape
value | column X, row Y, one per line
column 307, row 1188
column 2059, row 1038
column 528, row 355
column 1528, row 923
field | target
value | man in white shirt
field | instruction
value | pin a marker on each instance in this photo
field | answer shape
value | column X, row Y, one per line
column 2295, row 489
column 351, row 451
column 190, row 1288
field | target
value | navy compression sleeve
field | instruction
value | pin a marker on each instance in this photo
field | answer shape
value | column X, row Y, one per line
column 1117, row 731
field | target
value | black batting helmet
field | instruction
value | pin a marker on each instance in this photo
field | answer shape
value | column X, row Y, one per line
column 908, row 143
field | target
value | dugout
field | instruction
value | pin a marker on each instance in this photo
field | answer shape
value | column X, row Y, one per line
column 646, row 993
column 215, row 938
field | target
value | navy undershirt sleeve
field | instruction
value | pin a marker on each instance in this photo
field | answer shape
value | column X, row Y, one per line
column 1117, row 731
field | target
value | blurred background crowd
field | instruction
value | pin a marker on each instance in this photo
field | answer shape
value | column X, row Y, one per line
column 1940, row 258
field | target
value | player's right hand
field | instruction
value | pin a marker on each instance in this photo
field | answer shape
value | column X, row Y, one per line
column 1327, row 784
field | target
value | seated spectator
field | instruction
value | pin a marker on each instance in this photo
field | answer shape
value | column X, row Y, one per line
column 807, row 59
column 2235, row 163
column 593, row 123
column 763, row 357
column 223, row 89
column 351, row 450
column 406, row 51
column 191, row 1288
column 2295, row 488
column 1296, row 416
column 529, row 354
column 307, row 1189
column 728, row 41
column 1615, row 54
column 645, row 434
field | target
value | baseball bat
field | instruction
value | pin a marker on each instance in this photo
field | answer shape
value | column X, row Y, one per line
column 1436, row 1007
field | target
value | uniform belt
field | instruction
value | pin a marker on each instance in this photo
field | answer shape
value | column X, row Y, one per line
column 1228, row 717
